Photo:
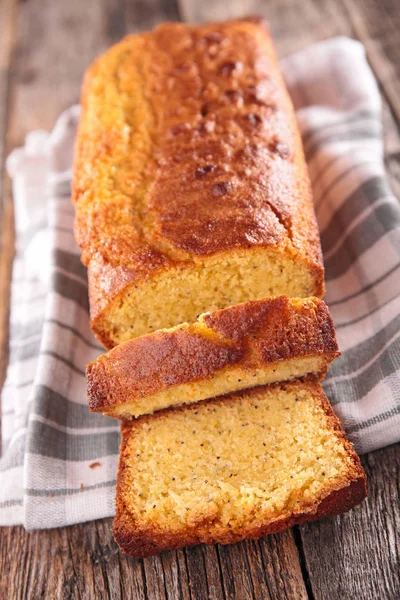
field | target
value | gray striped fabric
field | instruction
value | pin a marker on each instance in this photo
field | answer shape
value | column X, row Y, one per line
column 59, row 461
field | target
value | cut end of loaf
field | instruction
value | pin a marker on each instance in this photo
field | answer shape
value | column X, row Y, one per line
column 179, row 295
column 254, row 463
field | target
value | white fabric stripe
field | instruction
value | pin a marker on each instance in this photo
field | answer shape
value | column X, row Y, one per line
column 15, row 343
column 61, row 511
column 71, row 430
column 62, row 475
column 69, row 313
column 23, row 288
column 26, row 367
column 27, row 314
column 12, row 482
column 386, row 430
column 28, row 303
column 337, row 140
column 342, row 186
column 338, row 125
column 57, row 376
column 16, row 435
column 85, row 338
column 367, row 315
column 11, row 515
column 69, row 346
column 326, row 153
column 363, row 303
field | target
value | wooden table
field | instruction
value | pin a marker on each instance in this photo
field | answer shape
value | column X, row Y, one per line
column 45, row 45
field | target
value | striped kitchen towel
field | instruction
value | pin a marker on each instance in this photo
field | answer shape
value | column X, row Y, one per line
column 59, row 461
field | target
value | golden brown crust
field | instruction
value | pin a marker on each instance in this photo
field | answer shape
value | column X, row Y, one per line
column 139, row 541
column 188, row 147
column 250, row 336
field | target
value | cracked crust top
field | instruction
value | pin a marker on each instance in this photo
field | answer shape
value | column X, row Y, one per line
column 188, row 146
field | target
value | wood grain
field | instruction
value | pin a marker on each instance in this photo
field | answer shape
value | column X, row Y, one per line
column 293, row 24
column 357, row 555
column 354, row 557
column 8, row 17
column 392, row 146
column 209, row 10
column 55, row 41
column 141, row 15
column 83, row 561
column 377, row 23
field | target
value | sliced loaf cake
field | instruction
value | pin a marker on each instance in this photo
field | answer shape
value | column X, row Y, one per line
column 252, row 463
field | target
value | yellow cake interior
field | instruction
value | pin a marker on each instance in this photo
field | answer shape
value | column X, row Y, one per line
column 267, row 453
column 180, row 295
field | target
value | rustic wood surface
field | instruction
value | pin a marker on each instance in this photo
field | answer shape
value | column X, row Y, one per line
column 45, row 46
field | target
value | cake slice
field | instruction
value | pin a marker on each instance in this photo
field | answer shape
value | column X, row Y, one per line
column 254, row 343
column 252, row 463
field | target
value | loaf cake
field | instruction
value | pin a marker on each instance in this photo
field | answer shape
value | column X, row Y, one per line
column 258, row 342
column 190, row 183
column 253, row 463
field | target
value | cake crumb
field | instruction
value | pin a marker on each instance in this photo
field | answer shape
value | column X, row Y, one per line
column 94, row 465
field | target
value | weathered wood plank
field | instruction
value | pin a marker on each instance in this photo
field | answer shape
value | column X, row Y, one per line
column 377, row 23
column 204, row 573
column 209, row 10
column 284, row 576
column 176, row 574
column 83, row 561
column 73, row 562
column 55, row 43
column 293, row 24
column 139, row 16
column 268, row 568
column 357, row 555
